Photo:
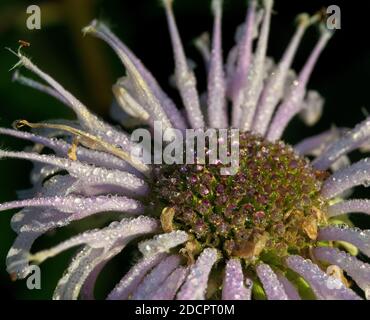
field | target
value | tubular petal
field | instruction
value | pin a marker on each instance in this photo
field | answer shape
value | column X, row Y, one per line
column 94, row 176
column 147, row 90
column 342, row 180
column 134, row 276
column 155, row 278
column 324, row 286
column 273, row 90
column 273, row 288
column 290, row 290
column 168, row 289
column 61, row 148
column 69, row 286
column 356, row 269
column 86, row 118
column 315, row 145
column 254, row 84
column 217, row 116
column 185, row 78
column 349, row 142
column 123, row 231
column 357, row 237
column 349, row 206
column 234, row 284
column 195, row 285
column 81, row 205
column 312, row 108
column 162, row 242
column 244, row 58
column 293, row 102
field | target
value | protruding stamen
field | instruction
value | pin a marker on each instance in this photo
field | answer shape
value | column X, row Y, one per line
column 89, row 141
column 87, row 119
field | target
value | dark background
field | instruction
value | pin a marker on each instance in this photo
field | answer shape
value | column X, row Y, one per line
column 88, row 68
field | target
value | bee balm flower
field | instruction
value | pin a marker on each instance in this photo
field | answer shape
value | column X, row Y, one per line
column 268, row 231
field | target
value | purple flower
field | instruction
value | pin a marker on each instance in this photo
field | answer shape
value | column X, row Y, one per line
column 265, row 231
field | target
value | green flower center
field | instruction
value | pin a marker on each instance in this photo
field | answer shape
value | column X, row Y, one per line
column 272, row 204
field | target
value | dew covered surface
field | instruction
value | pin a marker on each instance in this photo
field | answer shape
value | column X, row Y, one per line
column 271, row 204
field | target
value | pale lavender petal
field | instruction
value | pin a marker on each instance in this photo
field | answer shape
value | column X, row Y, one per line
column 81, row 205
column 356, row 269
column 38, row 86
column 94, row 176
column 274, row 88
column 324, row 286
column 273, row 288
column 292, row 104
column 69, row 286
column 162, row 243
column 217, row 116
column 352, row 176
column 315, row 145
column 17, row 263
column 202, row 43
column 168, row 289
column 290, row 290
column 148, row 92
column 134, row 276
column 86, row 118
column 244, row 57
column 155, row 278
column 254, row 83
column 88, row 287
column 185, row 78
column 312, row 108
column 350, row 141
column 123, row 232
column 357, row 237
column 234, row 283
column 195, row 285
column 127, row 102
column 349, row 206
column 61, row 148
column 112, row 241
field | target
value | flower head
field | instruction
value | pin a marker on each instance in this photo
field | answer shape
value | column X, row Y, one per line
column 266, row 231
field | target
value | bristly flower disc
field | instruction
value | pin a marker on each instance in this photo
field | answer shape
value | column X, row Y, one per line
column 271, row 205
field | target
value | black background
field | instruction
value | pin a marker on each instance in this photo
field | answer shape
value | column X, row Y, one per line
column 88, row 68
